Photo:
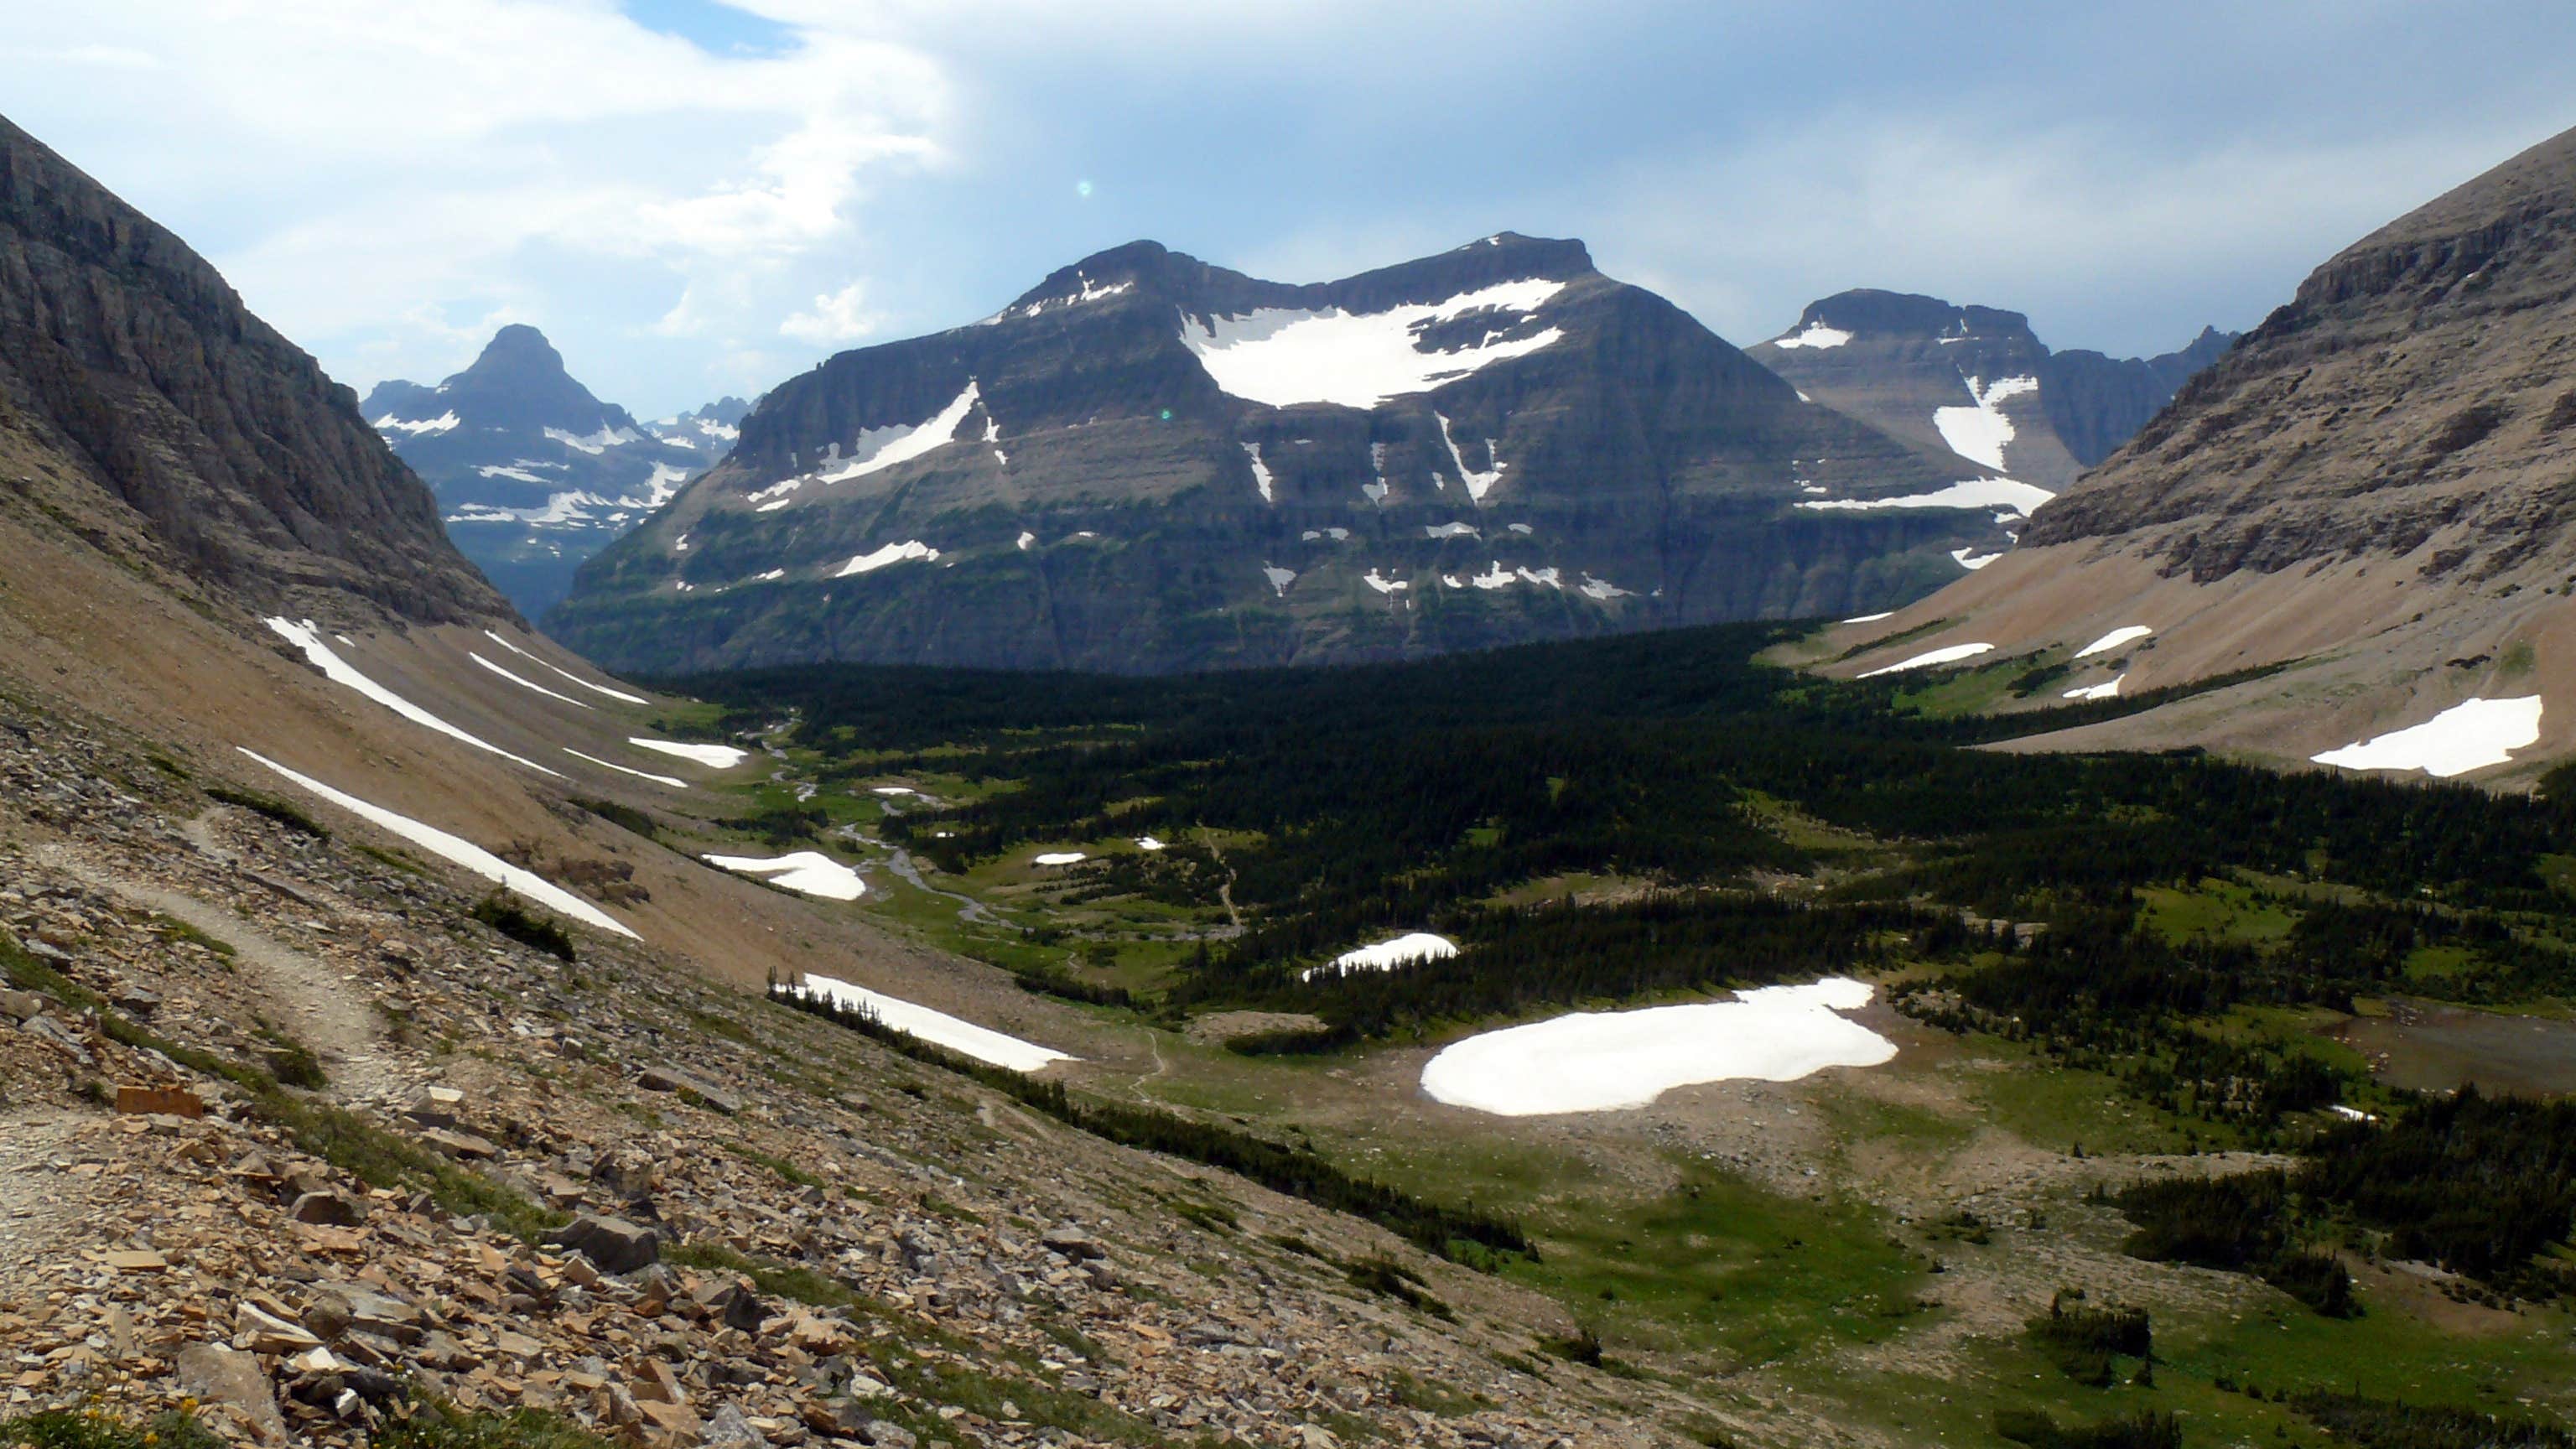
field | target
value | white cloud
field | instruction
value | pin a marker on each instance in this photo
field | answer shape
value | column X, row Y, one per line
column 841, row 316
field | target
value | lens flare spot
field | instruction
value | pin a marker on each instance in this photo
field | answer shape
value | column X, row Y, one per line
column 1082, row 188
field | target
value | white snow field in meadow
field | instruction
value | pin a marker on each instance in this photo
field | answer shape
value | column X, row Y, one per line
column 624, row 770
column 1870, row 618
column 1947, row 654
column 1284, row 357
column 1061, row 857
column 1609, row 1060
column 714, row 757
column 806, row 872
column 937, row 1027
column 2126, row 633
column 1410, row 949
column 1967, row 493
column 456, row 848
column 2465, row 737
column 527, row 684
column 1147, row 842
column 2095, row 691
column 307, row 637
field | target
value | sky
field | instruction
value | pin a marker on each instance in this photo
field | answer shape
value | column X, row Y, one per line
column 693, row 198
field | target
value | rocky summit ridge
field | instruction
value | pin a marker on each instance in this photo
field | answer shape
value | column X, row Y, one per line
column 533, row 473
column 1149, row 463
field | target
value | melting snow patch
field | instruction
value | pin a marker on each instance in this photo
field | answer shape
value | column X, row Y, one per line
column 1411, row 949
column 1383, row 585
column 1981, row 431
column 584, row 683
column 1026, row 538
column 892, row 790
column 2113, row 640
column 1522, row 528
column 937, row 1027
column 1260, row 472
column 1607, row 1061
column 807, row 872
column 714, row 757
column 1060, row 857
column 1495, row 576
column 2096, row 691
column 598, row 442
column 524, row 683
column 1870, row 618
column 2465, row 737
column 306, row 637
column 892, row 553
column 1147, row 842
column 1285, row 357
column 1602, row 590
column 1950, row 654
column 1971, row 560
column 1816, row 335
column 1279, row 578
column 2021, row 498
column 1449, row 530
column 1478, row 484
column 623, row 770
column 460, row 850
column 391, row 424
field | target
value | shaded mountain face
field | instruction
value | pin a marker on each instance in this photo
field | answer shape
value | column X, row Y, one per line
column 2371, row 488
column 1976, row 381
column 533, row 473
column 1149, row 463
column 174, row 418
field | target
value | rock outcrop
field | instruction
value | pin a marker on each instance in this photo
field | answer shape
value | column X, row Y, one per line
column 174, row 413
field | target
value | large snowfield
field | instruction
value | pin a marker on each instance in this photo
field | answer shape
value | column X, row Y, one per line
column 1967, row 493
column 1609, row 1060
column 2467, row 736
column 937, row 1027
column 1283, row 357
column 458, row 849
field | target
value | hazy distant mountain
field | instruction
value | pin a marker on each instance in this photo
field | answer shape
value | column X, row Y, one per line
column 532, row 472
column 1150, row 463
column 1977, row 381
column 2371, row 488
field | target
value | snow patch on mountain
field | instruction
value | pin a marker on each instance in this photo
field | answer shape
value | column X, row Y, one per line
column 892, row 553
column 1980, row 431
column 1284, row 357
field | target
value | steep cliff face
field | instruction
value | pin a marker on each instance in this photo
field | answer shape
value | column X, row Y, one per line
column 532, row 472
column 1149, row 463
column 127, row 358
column 2371, row 489
column 1977, row 381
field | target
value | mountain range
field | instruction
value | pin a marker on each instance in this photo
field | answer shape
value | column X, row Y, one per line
column 534, row 474
column 1977, row 381
column 1149, row 463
